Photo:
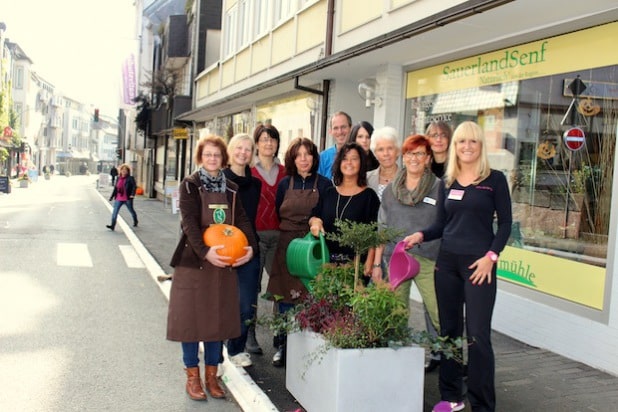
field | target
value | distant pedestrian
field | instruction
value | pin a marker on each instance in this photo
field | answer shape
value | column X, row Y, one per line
column 114, row 174
column 124, row 192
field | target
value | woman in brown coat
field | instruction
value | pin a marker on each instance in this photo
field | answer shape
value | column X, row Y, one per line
column 204, row 301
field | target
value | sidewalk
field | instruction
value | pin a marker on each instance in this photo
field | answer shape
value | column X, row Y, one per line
column 527, row 378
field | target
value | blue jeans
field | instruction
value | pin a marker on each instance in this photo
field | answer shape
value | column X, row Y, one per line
column 117, row 205
column 248, row 280
column 212, row 353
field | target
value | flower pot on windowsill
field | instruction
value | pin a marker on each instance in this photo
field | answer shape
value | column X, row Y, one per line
column 338, row 380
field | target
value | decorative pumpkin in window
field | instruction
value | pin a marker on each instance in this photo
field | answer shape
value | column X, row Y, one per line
column 588, row 107
column 546, row 150
column 231, row 237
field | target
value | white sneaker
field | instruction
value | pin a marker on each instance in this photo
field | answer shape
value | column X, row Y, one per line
column 243, row 359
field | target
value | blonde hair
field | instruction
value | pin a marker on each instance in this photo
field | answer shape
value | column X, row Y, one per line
column 236, row 140
column 125, row 166
column 467, row 130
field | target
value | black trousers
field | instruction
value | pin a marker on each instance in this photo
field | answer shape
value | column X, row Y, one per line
column 455, row 293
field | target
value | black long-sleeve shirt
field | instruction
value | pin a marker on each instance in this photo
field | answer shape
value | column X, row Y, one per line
column 466, row 216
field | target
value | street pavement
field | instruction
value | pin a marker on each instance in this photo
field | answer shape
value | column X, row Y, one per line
column 527, row 378
column 83, row 322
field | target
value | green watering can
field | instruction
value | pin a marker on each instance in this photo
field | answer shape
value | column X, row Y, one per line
column 305, row 256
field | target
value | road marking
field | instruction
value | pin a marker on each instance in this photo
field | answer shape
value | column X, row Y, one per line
column 73, row 254
column 131, row 257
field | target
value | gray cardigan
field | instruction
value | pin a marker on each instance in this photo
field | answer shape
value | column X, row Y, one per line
column 410, row 219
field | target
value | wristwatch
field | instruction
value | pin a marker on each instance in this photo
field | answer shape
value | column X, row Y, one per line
column 492, row 256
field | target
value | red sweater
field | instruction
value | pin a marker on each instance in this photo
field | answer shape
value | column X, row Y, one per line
column 266, row 215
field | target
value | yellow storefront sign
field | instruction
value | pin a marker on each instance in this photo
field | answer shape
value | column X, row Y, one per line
column 594, row 47
column 574, row 281
column 180, row 133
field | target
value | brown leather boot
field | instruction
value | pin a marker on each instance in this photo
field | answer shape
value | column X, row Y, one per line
column 212, row 384
column 194, row 384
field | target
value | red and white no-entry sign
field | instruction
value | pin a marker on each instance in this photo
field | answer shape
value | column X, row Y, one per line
column 574, row 138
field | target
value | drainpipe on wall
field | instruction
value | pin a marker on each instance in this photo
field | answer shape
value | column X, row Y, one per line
column 324, row 122
column 328, row 51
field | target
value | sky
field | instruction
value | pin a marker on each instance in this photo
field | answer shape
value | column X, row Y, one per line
column 77, row 45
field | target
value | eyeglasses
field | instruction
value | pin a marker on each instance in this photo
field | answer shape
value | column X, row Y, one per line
column 418, row 155
column 212, row 155
column 266, row 139
column 438, row 135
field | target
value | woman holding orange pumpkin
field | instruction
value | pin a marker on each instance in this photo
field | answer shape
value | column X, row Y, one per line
column 297, row 194
column 240, row 150
column 204, row 303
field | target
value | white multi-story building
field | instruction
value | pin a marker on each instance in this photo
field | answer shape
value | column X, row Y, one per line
column 505, row 64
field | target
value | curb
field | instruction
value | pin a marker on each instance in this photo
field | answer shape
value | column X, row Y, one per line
column 247, row 394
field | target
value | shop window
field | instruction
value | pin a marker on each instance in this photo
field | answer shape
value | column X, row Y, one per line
column 561, row 197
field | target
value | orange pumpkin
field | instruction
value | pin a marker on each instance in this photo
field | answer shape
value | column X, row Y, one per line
column 139, row 191
column 231, row 237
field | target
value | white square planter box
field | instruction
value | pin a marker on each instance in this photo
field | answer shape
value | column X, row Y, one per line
column 358, row 380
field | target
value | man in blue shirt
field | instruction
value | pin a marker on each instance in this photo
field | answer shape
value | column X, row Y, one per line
column 340, row 126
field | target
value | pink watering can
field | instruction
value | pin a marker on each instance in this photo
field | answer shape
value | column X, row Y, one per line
column 402, row 266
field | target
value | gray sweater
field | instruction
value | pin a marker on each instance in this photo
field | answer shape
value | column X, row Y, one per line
column 410, row 219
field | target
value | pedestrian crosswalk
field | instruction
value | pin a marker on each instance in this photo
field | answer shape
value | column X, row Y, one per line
column 78, row 255
column 130, row 256
column 73, row 254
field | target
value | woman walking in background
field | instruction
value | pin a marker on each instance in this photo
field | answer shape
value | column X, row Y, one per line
column 297, row 194
column 270, row 172
column 124, row 192
column 204, row 304
column 471, row 194
column 240, row 151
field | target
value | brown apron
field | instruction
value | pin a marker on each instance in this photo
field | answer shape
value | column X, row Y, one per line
column 204, row 300
column 295, row 211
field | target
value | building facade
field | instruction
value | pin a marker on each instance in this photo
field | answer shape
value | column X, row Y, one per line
column 530, row 73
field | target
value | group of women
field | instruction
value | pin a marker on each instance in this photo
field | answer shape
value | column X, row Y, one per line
column 273, row 204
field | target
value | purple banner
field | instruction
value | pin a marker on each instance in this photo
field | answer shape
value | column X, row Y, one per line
column 128, row 80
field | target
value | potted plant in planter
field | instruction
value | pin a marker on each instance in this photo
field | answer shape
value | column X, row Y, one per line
column 349, row 346
column 24, row 180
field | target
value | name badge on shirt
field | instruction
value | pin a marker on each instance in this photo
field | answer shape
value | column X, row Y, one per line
column 455, row 194
column 429, row 201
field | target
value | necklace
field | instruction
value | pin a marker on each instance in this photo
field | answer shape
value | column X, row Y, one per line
column 389, row 178
column 338, row 215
